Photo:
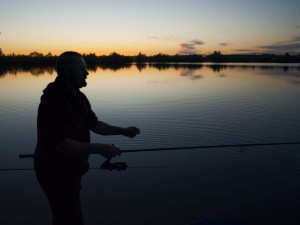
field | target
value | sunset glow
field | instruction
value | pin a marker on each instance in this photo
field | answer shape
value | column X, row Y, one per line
column 151, row 27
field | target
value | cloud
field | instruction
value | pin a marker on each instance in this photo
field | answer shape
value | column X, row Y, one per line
column 292, row 45
column 223, row 44
column 152, row 37
column 243, row 50
column 298, row 27
column 190, row 47
column 197, row 42
column 246, row 51
column 187, row 49
column 295, row 39
column 163, row 38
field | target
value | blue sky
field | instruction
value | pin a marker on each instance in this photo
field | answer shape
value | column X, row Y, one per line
column 151, row 27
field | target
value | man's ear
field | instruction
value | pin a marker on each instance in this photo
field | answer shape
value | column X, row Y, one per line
column 67, row 73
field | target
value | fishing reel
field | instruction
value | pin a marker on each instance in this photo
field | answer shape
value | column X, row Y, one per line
column 118, row 166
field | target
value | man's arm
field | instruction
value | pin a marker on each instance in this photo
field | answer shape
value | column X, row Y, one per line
column 107, row 129
column 72, row 147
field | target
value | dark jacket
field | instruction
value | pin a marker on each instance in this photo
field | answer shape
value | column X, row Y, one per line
column 62, row 115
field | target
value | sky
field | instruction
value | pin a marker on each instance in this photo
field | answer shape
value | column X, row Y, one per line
column 150, row 26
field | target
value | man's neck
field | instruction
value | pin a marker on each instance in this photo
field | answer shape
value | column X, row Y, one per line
column 70, row 86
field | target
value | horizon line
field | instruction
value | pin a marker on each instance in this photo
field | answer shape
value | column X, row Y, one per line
column 49, row 54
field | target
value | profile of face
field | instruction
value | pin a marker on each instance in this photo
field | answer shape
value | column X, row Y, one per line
column 77, row 73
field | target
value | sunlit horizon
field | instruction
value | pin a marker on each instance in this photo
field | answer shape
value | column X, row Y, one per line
column 150, row 27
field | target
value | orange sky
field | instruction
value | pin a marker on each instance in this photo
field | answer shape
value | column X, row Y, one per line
column 150, row 27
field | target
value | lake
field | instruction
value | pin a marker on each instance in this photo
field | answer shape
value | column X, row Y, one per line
column 174, row 105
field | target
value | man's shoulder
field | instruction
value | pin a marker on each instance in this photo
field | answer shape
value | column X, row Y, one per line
column 55, row 96
column 82, row 96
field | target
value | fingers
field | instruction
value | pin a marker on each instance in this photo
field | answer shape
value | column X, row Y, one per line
column 117, row 150
column 112, row 151
column 109, row 151
column 132, row 132
column 137, row 130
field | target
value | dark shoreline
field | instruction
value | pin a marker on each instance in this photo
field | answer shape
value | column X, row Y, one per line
column 114, row 59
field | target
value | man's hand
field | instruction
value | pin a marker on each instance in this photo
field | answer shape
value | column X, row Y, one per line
column 107, row 151
column 131, row 132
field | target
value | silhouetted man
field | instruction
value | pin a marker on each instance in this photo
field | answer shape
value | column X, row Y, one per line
column 65, row 119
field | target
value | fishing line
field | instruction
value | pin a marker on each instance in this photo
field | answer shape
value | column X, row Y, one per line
column 93, row 168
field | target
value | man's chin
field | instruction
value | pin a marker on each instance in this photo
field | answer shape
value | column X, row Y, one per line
column 84, row 84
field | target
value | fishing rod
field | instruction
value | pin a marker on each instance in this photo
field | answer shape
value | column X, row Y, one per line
column 209, row 146
column 119, row 166
column 191, row 147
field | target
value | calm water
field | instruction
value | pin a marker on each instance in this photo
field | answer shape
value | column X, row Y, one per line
column 173, row 106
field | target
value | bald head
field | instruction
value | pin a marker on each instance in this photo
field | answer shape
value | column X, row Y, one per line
column 67, row 60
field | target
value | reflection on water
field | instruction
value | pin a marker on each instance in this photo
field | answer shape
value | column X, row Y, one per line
column 174, row 105
column 4, row 70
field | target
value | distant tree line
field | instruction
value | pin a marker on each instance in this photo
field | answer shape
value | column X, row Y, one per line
column 36, row 58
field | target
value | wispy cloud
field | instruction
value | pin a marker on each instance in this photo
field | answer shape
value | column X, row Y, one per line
column 243, row 50
column 223, row 44
column 197, row 42
column 190, row 47
column 292, row 46
column 187, row 49
column 163, row 38
column 152, row 37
